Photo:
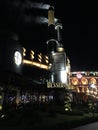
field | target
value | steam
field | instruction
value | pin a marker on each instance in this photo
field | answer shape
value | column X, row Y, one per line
column 29, row 4
column 20, row 7
column 37, row 5
column 37, row 19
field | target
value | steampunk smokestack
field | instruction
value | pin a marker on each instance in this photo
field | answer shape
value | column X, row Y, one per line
column 51, row 23
column 51, row 16
column 52, row 42
column 57, row 57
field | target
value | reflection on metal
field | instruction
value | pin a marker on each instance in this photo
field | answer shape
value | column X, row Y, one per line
column 39, row 65
column 60, row 49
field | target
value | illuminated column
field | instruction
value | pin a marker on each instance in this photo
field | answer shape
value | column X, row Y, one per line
column 17, row 97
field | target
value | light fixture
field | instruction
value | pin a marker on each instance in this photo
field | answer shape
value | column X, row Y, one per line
column 17, row 58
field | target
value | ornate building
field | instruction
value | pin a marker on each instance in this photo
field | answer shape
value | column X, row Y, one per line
column 84, row 85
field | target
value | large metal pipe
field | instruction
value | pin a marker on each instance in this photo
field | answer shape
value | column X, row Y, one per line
column 51, row 16
column 58, row 28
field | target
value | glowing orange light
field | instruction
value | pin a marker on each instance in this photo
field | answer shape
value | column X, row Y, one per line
column 74, row 81
column 93, row 81
column 84, row 81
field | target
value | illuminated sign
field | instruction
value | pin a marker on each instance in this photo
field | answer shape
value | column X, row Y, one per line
column 55, row 85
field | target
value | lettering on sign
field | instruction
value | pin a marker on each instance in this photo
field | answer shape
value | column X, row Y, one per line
column 55, row 85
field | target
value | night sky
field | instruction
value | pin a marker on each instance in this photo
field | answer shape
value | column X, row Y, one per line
column 28, row 18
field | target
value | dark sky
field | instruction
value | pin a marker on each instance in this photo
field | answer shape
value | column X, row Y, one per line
column 28, row 18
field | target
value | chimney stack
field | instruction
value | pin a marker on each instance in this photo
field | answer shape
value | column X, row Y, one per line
column 51, row 16
column 52, row 42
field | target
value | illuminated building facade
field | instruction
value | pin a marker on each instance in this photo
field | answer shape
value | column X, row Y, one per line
column 84, row 85
column 52, row 68
column 50, row 74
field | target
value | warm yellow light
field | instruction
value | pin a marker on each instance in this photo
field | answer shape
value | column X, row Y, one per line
column 40, row 57
column 32, row 54
column 87, row 92
column 0, row 107
column 60, row 49
column 46, row 59
column 74, row 81
column 0, row 97
column 78, row 90
column 93, row 81
column 84, row 81
column 35, row 64
column 24, row 51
